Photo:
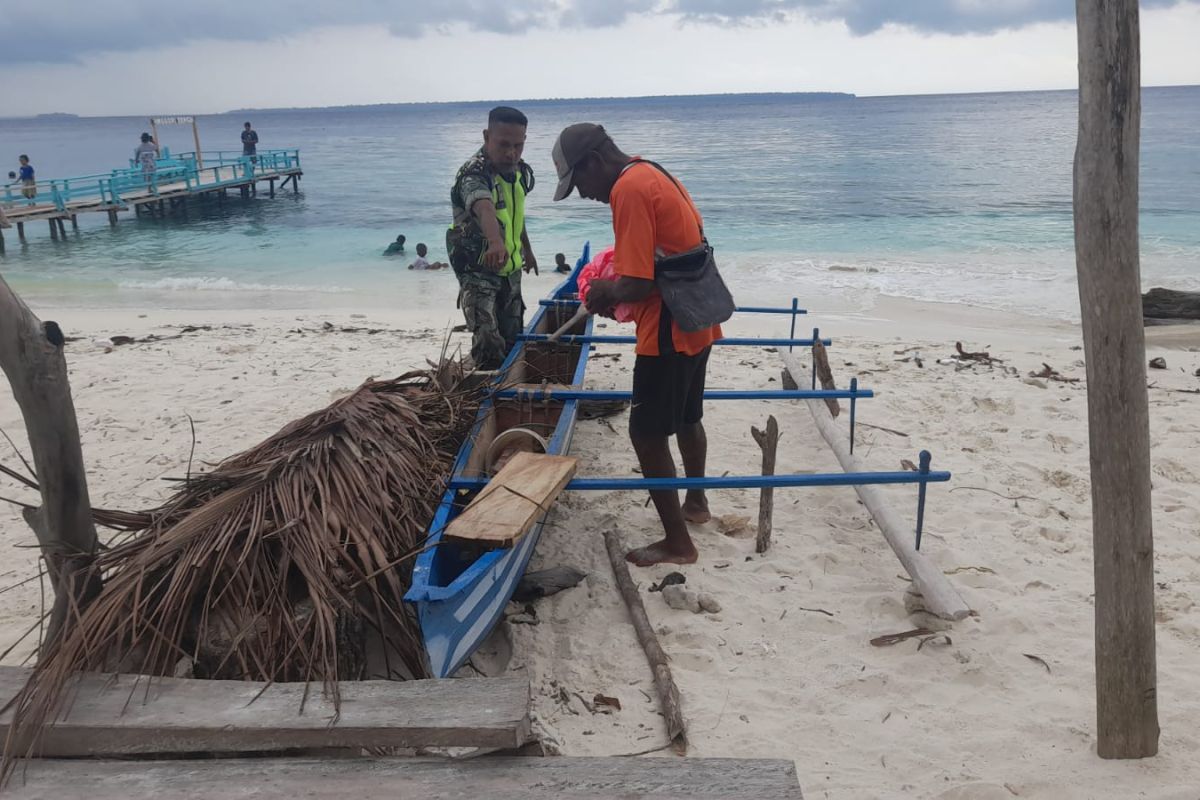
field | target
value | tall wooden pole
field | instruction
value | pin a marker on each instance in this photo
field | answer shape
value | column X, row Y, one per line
column 196, row 138
column 31, row 355
column 1106, row 258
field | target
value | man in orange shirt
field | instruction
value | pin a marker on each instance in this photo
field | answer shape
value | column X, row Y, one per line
column 653, row 216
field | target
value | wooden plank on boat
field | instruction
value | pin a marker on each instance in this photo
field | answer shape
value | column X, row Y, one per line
column 522, row 491
column 553, row 778
column 940, row 598
column 133, row 714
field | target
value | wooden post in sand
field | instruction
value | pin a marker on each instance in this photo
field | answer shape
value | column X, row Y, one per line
column 31, row 355
column 825, row 374
column 1106, row 259
column 768, row 441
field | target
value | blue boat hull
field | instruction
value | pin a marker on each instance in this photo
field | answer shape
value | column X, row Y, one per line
column 460, row 596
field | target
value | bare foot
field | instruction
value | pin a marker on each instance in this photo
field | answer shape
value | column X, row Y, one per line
column 696, row 510
column 661, row 553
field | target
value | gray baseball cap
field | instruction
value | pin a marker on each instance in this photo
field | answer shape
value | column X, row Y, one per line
column 572, row 146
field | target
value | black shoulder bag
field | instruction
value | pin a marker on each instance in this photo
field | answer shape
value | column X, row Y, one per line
column 689, row 282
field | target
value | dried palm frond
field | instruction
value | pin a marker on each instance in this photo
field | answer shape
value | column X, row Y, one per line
column 280, row 564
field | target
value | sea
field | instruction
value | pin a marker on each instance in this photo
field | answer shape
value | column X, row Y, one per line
column 943, row 198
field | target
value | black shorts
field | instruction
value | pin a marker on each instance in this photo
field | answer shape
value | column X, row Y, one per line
column 668, row 393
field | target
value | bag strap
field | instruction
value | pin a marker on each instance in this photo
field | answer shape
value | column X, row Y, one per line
column 684, row 194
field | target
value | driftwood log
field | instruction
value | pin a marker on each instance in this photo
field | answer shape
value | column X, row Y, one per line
column 668, row 692
column 1161, row 305
column 1106, row 261
column 768, row 440
column 31, row 355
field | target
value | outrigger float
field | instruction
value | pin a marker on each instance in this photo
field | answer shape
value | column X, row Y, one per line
column 460, row 589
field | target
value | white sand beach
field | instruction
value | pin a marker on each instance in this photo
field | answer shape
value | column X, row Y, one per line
column 1001, row 707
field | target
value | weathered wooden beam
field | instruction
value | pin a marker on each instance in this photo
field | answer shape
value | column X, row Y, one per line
column 486, row 778
column 940, row 598
column 31, row 355
column 127, row 714
column 1106, row 260
column 660, row 665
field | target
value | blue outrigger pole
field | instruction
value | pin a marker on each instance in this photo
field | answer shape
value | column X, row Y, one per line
column 923, row 477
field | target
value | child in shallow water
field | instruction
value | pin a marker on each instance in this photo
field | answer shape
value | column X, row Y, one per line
column 422, row 263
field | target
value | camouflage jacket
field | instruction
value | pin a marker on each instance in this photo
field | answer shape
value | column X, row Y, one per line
column 476, row 180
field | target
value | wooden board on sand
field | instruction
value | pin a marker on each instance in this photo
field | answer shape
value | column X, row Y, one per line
column 125, row 714
column 553, row 778
column 521, row 491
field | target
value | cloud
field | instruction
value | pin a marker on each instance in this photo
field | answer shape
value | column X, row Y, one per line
column 82, row 27
column 863, row 17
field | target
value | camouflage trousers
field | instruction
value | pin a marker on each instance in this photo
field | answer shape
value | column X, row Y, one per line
column 495, row 314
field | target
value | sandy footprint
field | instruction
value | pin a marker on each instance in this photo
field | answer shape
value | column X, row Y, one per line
column 1173, row 471
column 995, row 405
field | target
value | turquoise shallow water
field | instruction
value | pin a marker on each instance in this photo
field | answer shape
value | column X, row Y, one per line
column 963, row 198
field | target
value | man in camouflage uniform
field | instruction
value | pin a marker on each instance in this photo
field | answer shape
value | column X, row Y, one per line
column 488, row 243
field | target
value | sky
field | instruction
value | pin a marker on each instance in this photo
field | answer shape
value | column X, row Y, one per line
column 115, row 57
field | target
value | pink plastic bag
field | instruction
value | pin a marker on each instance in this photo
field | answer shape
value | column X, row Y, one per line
column 601, row 267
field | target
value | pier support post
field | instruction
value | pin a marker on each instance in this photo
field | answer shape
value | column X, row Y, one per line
column 53, row 230
column 1, row 241
column 271, row 183
column 75, row 222
column 62, row 228
column 21, row 231
column 112, row 217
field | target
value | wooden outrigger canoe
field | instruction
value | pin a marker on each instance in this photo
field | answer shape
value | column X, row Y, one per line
column 458, row 589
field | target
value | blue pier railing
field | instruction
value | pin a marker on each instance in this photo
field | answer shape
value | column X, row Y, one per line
column 214, row 170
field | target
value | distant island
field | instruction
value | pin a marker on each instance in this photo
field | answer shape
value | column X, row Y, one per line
column 57, row 115
column 673, row 99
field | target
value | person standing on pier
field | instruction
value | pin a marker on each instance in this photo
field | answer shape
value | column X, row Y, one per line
column 653, row 218
column 27, row 179
column 249, row 142
column 488, row 242
column 146, row 155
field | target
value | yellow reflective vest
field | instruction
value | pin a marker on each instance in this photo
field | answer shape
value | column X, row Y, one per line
column 508, row 196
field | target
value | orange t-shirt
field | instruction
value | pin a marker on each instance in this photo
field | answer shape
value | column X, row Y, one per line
column 650, row 212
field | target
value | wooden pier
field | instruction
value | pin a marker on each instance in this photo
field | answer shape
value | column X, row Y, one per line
column 175, row 180
column 134, row 737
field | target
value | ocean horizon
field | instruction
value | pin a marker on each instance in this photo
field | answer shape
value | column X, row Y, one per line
column 962, row 198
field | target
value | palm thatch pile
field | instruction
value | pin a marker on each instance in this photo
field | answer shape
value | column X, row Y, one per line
column 287, row 562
